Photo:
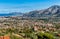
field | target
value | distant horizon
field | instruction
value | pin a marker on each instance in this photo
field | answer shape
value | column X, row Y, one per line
column 24, row 6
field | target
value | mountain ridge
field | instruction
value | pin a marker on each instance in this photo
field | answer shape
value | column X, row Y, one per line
column 13, row 14
column 53, row 11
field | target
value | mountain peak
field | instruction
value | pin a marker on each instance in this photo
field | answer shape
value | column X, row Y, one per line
column 55, row 6
column 49, row 12
column 54, row 9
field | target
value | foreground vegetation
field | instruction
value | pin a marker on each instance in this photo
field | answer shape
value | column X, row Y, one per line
column 28, row 34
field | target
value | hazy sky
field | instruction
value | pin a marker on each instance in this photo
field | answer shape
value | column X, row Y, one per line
column 25, row 5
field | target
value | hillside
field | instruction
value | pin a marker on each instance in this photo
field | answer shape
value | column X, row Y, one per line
column 53, row 11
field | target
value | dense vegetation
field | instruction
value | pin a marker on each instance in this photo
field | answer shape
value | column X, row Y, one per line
column 28, row 34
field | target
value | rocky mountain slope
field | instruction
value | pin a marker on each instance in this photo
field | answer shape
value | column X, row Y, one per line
column 53, row 11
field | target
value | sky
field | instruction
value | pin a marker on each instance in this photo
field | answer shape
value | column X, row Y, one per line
column 24, row 6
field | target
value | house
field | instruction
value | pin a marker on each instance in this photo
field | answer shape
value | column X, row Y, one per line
column 58, row 35
column 4, row 37
column 36, row 28
column 49, row 24
column 1, row 37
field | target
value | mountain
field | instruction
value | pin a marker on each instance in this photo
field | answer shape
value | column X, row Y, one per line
column 16, row 14
column 53, row 11
column 12, row 14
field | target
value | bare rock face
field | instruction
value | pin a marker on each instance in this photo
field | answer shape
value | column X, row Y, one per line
column 53, row 11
